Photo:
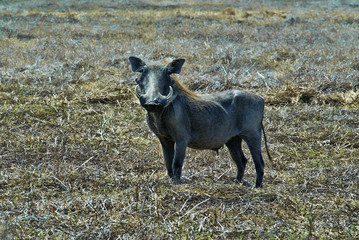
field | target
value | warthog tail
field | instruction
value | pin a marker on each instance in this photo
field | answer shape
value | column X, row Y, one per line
column 265, row 142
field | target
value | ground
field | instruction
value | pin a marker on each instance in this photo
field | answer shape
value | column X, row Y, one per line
column 77, row 160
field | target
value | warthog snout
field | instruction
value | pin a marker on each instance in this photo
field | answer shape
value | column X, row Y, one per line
column 154, row 106
column 154, row 103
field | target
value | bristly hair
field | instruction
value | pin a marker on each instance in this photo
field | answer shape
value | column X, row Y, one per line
column 185, row 90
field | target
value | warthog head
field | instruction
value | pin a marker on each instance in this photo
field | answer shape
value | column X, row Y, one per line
column 154, row 85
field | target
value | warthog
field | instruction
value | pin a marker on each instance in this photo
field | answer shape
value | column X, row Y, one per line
column 181, row 118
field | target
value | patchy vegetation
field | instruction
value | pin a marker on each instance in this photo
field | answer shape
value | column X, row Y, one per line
column 77, row 160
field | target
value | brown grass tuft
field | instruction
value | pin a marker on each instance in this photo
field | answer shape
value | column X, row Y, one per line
column 229, row 11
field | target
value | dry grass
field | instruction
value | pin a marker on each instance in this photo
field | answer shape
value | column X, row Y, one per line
column 78, row 161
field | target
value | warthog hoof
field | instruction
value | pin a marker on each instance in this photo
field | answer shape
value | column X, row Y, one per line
column 175, row 180
column 246, row 184
column 243, row 183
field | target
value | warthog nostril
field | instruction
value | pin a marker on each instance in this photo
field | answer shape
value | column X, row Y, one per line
column 153, row 106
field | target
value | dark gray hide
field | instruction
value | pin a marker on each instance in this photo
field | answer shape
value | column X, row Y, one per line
column 182, row 119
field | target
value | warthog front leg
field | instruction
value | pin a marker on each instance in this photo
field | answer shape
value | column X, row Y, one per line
column 180, row 152
column 168, row 152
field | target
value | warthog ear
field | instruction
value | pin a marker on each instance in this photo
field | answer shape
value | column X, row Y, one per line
column 175, row 66
column 136, row 64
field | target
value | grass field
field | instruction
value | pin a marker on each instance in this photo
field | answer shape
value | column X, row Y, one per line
column 77, row 160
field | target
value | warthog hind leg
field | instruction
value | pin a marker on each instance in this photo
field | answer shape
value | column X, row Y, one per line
column 235, row 149
column 254, row 145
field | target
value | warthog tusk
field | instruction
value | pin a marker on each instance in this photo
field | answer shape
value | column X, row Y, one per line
column 138, row 94
column 170, row 93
